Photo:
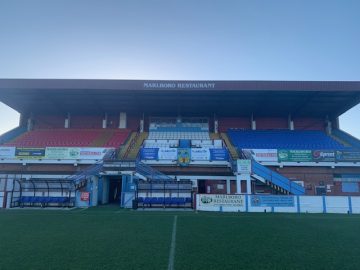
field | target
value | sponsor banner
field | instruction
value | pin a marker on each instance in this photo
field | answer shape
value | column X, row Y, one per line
column 200, row 154
column 344, row 156
column 149, row 153
column 211, row 200
column 269, row 155
column 166, row 153
column 243, row 166
column 92, row 153
column 347, row 177
column 184, row 156
column 62, row 153
column 294, row 155
column 29, row 153
column 7, row 152
column 75, row 153
column 85, row 196
column 272, row 201
column 323, row 155
column 219, row 154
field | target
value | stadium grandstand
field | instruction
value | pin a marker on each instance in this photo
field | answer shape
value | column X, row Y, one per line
column 157, row 143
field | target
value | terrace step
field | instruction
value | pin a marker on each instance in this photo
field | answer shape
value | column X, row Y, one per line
column 136, row 145
column 126, row 147
column 215, row 136
column 233, row 152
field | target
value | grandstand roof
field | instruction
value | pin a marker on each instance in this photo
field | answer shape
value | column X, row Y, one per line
column 224, row 98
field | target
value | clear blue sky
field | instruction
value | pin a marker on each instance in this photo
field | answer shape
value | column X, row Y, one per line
column 184, row 39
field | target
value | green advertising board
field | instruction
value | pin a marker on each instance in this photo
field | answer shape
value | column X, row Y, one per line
column 285, row 155
column 62, row 153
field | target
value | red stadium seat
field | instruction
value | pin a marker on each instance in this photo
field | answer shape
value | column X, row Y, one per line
column 69, row 138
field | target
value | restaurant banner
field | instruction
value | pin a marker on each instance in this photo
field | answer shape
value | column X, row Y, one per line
column 216, row 200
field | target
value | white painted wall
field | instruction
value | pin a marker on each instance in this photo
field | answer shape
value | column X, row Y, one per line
column 355, row 202
column 338, row 204
column 1, row 198
column 304, row 204
column 286, row 209
column 311, row 204
column 259, row 209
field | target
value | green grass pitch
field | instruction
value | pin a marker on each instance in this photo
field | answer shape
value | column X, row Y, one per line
column 111, row 238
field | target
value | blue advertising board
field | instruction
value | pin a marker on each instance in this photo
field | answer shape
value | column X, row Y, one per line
column 219, row 154
column 347, row 156
column 272, row 201
column 149, row 153
column 27, row 153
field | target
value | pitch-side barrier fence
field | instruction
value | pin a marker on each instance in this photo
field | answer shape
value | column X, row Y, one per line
column 278, row 203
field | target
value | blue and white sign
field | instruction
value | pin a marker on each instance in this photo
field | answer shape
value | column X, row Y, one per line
column 7, row 152
column 347, row 177
column 168, row 153
column 200, row 154
column 149, row 153
column 219, row 154
column 272, row 201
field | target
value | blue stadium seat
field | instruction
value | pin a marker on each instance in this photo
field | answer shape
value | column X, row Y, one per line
column 283, row 139
column 178, row 201
column 154, row 200
column 160, row 200
column 147, row 201
column 45, row 201
column 168, row 201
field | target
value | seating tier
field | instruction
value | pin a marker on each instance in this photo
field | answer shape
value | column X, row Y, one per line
column 283, row 139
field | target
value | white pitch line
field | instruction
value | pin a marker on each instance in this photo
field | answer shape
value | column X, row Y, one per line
column 172, row 246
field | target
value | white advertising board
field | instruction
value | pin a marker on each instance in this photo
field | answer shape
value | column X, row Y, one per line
column 244, row 166
column 167, row 153
column 220, row 202
column 75, row 152
column 269, row 155
column 200, row 154
column 7, row 152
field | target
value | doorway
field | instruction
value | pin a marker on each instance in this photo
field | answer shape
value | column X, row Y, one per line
column 201, row 187
column 115, row 190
